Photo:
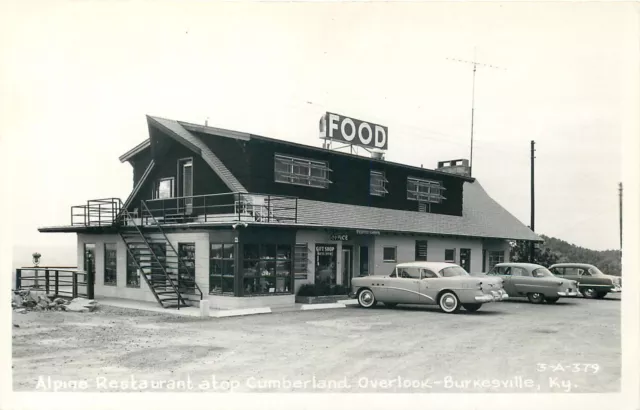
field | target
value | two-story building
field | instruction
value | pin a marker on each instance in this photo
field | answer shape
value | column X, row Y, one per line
column 245, row 220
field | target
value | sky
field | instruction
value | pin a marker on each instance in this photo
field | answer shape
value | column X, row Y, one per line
column 78, row 78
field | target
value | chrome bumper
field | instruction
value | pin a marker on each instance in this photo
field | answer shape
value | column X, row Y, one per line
column 494, row 297
column 567, row 293
column 616, row 290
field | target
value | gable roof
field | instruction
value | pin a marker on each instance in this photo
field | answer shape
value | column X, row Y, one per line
column 481, row 217
column 176, row 131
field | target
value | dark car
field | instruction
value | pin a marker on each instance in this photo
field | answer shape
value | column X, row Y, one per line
column 592, row 283
column 535, row 282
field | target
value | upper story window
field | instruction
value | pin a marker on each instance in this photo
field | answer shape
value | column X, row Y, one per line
column 301, row 171
column 163, row 188
column 377, row 183
column 424, row 190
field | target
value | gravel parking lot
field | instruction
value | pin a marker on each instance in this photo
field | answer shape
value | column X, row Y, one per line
column 514, row 346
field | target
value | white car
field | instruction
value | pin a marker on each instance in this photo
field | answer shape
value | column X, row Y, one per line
column 431, row 283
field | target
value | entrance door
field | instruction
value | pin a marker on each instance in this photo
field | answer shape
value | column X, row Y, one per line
column 347, row 266
column 186, row 168
column 465, row 259
column 364, row 261
column 90, row 260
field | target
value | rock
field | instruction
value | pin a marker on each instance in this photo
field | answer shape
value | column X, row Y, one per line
column 59, row 301
column 21, row 310
column 81, row 305
column 16, row 299
column 15, row 325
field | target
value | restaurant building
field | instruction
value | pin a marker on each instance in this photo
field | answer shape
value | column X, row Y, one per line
column 244, row 220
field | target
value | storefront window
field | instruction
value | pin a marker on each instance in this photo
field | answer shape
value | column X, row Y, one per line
column 221, row 269
column 495, row 257
column 266, row 269
column 110, row 264
column 187, row 253
column 326, row 264
column 133, row 275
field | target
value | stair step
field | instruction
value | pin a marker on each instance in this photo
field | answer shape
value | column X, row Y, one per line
column 165, row 293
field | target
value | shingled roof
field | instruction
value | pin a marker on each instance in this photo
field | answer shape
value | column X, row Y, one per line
column 177, row 131
column 481, row 217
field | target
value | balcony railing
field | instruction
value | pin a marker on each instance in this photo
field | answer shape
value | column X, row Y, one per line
column 227, row 207
column 213, row 208
column 97, row 212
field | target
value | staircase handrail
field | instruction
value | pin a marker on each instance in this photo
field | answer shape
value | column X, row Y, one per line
column 166, row 274
column 144, row 208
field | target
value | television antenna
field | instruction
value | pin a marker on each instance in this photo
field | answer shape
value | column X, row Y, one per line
column 475, row 64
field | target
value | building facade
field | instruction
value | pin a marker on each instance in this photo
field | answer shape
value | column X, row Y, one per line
column 245, row 220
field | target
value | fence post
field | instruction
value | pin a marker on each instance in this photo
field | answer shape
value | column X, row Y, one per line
column 46, row 281
column 204, row 205
column 296, row 217
column 74, row 286
column 37, row 278
column 57, row 276
column 18, row 278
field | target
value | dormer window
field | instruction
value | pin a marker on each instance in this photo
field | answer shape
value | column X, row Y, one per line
column 377, row 183
column 301, row 171
column 424, row 190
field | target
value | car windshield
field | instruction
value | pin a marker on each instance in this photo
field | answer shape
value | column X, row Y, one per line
column 453, row 271
column 541, row 272
column 595, row 271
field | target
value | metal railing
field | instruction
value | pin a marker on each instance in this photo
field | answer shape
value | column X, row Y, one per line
column 225, row 207
column 97, row 212
column 71, row 283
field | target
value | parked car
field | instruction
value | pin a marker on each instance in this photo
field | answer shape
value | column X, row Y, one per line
column 591, row 281
column 535, row 282
column 432, row 283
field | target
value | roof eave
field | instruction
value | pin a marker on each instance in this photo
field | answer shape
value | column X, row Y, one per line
column 135, row 150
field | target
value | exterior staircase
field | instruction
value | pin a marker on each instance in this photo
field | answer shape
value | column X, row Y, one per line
column 170, row 279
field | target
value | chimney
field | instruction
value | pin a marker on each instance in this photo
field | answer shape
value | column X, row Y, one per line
column 377, row 154
column 455, row 166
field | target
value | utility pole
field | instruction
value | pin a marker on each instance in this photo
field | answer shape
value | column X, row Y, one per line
column 533, row 202
column 475, row 64
column 620, row 206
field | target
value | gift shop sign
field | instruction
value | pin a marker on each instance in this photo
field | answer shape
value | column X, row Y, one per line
column 353, row 131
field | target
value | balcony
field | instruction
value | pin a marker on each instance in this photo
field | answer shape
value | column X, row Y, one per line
column 199, row 209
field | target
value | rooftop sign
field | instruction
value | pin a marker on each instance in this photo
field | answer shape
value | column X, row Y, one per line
column 352, row 131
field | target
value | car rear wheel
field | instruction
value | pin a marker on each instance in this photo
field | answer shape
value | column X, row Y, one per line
column 601, row 295
column 589, row 293
column 366, row 299
column 552, row 300
column 471, row 307
column 449, row 302
column 535, row 297
column 390, row 305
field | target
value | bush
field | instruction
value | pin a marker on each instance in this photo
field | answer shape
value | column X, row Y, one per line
column 321, row 289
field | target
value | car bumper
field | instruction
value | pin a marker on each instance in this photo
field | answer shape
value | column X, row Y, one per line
column 616, row 290
column 567, row 293
column 495, row 297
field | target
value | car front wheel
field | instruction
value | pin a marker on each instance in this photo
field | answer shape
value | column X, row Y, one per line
column 449, row 302
column 366, row 299
column 535, row 297
column 472, row 307
column 589, row 293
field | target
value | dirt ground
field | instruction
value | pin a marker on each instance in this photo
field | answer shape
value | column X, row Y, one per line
column 514, row 346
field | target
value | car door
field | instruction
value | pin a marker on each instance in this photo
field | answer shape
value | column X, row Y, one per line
column 428, row 287
column 524, row 283
column 404, row 287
